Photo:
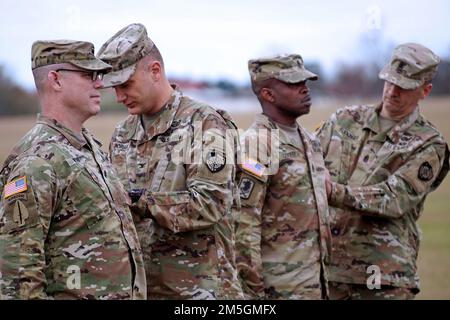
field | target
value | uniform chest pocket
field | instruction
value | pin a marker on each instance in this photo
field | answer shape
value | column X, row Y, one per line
column 174, row 147
column 290, row 176
column 169, row 155
column 334, row 162
column 347, row 161
column 119, row 153
column 88, row 199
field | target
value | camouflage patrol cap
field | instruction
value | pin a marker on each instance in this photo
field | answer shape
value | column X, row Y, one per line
column 122, row 51
column 286, row 68
column 78, row 53
column 411, row 66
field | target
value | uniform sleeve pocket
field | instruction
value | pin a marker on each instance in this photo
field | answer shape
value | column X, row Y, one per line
column 166, row 207
column 18, row 212
column 169, row 198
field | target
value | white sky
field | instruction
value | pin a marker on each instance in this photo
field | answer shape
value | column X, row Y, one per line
column 212, row 39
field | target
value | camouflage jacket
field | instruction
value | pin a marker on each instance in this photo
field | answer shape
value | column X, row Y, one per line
column 380, row 182
column 283, row 236
column 65, row 229
column 182, row 163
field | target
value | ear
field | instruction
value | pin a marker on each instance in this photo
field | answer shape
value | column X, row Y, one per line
column 427, row 90
column 155, row 70
column 54, row 79
column 267, row 95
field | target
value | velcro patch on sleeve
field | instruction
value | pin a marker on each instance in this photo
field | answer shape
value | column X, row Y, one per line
column 425, row 172
column 253, row 167
column 16, row 186
column 246, row 187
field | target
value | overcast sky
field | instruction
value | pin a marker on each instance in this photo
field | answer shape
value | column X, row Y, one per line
column 214, row 39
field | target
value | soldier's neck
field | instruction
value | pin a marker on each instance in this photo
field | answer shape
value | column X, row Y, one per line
column 398, row 115
column 281, row 119
column 68, row 120
column 165, row 93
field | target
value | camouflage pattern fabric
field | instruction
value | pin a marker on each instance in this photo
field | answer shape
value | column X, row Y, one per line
column 123, row 51
column 78, row 53
column 283, row 235
column 380, row 183
column 288, row 68
column 411, row 65
column 189, row 251
column 65, row 229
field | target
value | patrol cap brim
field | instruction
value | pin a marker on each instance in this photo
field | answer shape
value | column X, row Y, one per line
column 297, row 76
column 93, row 65
column 119, row 77
column 399, row 80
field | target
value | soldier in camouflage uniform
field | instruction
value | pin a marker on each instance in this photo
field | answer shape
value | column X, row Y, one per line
column 283, row 235
column 65, row 228
column 383, row 162
column 172, row 155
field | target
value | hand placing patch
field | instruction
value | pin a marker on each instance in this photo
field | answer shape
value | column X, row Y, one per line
column 425, row 171
column 215, row 161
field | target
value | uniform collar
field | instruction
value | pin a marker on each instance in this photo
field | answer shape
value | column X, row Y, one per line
column 262, row 118
column 267, row 122
column 403, row 125
column 162, row 123
column 75, row 139
column 372, row 123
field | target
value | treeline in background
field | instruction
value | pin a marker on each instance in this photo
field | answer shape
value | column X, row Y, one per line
column 348, row 80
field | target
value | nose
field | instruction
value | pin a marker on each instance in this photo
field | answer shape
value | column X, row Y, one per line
column 304, row 89
column 120, row 95
column 98, row 84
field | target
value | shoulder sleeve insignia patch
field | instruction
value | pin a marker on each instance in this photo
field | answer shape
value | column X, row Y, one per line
column 215, row 161
column 425, row 172
column 20, row 213
column 16, row 186
column 246, row 187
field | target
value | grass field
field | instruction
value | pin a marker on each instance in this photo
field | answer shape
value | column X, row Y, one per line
column 434, row 255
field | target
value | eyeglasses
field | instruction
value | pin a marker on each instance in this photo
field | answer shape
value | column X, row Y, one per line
column 94, row 75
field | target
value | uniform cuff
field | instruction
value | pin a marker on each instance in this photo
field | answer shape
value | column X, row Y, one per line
column 337, row 194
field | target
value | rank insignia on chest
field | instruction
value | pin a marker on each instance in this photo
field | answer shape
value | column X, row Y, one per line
column 315, row 146
column 215, row 161
column 425, row 172
column 16, row 186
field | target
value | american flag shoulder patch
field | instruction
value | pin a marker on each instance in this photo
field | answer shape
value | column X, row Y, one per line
column 16, row 186
column 253, row 167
